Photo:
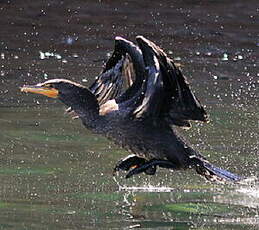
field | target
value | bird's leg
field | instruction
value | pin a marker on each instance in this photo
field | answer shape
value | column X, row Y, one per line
column 137, row 165
column 129, row 162
column 166, row 164
column 151, row 170
column 150, row 167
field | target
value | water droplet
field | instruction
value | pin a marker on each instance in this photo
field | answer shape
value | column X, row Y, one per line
column 177, row 59
column 69, row 40
column 42, row 55
column 240, row 57
column 58, row 56
column 225, row 57
column 48, row 54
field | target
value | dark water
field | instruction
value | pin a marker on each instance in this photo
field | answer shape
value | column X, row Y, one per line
column 56, row 175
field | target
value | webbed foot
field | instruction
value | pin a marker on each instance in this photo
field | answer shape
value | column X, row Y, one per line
column 136, row 165
column 150, row 167
column 131, row 161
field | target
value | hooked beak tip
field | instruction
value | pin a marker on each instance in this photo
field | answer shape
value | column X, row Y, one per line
column 22, row 88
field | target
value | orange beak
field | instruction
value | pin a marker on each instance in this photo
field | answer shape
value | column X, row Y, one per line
column 49, row 92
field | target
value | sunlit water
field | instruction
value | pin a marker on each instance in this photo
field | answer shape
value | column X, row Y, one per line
column 56, row 175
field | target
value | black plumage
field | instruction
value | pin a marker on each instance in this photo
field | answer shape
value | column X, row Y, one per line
column 136, row 101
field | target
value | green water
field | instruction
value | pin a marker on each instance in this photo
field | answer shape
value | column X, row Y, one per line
column 55, row 175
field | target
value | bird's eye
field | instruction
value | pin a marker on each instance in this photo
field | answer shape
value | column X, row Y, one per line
column 48, row 86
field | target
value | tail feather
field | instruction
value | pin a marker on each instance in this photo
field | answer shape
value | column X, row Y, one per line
column 213, row 173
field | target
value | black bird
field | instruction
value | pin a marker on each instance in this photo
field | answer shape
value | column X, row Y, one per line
column 142, row 117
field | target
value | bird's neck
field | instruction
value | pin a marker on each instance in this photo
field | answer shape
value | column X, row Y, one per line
column 85, row 105
column 89, row 117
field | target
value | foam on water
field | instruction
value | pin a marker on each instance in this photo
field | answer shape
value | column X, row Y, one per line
column 148, row 188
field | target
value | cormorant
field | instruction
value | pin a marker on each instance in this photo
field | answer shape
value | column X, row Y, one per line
column 141, row 118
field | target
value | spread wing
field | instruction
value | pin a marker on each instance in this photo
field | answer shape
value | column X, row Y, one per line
column 124, row 69
column 165, row 93
column 155, row 87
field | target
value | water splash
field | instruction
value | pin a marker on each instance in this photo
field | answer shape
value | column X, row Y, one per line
column 253, row 192
column 146, row 188
column 250, row 187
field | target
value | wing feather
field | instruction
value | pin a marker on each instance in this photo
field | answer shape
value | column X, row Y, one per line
column 167, row 94
column 125, row 67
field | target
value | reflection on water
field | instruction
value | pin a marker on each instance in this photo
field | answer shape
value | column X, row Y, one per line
column 53, row 172
column 56, row 175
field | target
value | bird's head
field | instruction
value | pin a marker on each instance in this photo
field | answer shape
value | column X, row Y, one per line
column 70, row 93
column 55, row 88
